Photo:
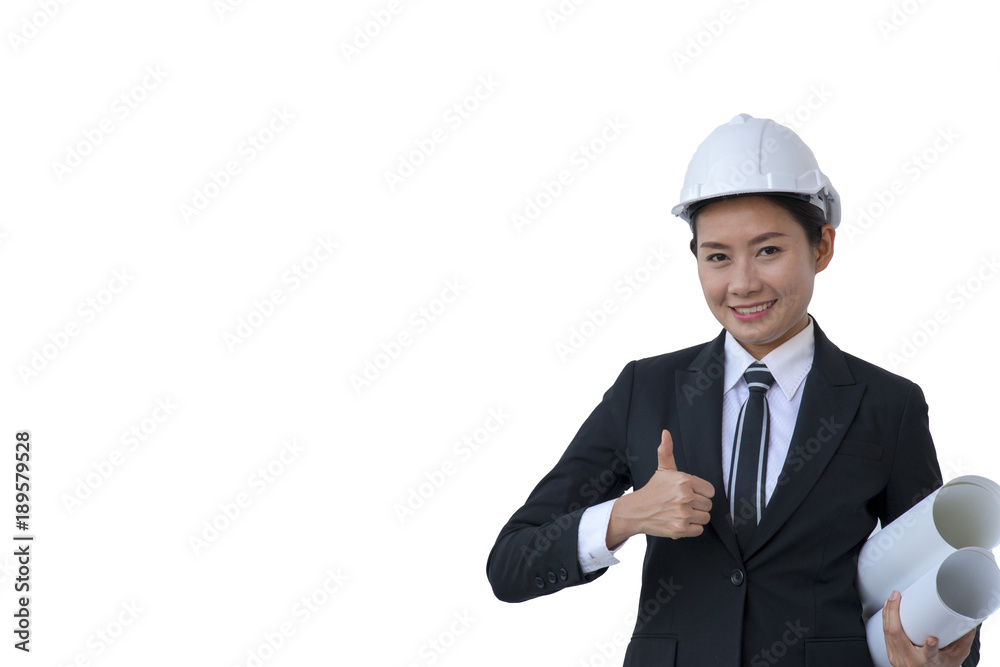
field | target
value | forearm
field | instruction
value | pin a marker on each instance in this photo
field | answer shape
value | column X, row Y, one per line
column 530, row 561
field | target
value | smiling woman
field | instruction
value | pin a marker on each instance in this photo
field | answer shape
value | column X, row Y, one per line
column 743, row 450
column 756, row 265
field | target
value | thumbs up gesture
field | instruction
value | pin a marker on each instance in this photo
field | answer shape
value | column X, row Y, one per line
column 665, row 454
column 672, row 503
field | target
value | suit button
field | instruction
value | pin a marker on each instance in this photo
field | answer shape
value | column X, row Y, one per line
column 539, row 582
column 736, row 577
column 552, row 577
column 563, row 574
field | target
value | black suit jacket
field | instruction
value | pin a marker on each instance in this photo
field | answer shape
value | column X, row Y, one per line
column 861, row 451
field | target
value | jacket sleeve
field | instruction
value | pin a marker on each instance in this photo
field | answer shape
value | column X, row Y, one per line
column 536, row 551
column 915, row 473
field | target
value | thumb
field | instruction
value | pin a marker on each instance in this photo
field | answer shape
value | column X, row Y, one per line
column 665, row 453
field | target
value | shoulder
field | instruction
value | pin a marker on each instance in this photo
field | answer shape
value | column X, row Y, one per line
column 865, row 371
column 676, row 359
column 885, row 388
column 669, row 362
column 843, row 368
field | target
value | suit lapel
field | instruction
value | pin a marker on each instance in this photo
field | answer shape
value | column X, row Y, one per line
column 828, row 407
column 699, row 412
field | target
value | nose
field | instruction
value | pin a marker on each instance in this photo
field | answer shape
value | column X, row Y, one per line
column 744, row 279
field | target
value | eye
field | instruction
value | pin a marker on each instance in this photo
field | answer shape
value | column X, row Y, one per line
column 769, row 250
column 715, row 257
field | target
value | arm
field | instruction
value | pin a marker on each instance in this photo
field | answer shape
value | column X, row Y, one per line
column 543, row 548
column 915, row 475
column 536, row 551
column 915, row 472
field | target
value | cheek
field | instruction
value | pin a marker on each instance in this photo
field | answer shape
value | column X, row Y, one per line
column 710, row 286
column 795, row 284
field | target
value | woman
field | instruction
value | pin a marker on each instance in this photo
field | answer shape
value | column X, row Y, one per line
column 760, row 461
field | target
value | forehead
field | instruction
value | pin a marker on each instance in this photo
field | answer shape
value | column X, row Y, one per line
column 747, row 215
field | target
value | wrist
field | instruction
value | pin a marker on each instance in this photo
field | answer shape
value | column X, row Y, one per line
column 620, row 528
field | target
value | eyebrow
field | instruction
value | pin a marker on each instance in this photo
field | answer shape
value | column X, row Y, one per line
column 754, row 241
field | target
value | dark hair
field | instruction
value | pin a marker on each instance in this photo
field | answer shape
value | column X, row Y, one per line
column 810, row 217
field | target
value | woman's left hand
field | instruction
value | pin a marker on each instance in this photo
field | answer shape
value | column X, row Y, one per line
column 902, row 652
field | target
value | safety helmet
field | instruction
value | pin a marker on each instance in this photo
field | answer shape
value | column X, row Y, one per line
column 751, row 155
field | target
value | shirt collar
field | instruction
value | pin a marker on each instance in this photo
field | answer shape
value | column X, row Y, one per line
column 789, row 363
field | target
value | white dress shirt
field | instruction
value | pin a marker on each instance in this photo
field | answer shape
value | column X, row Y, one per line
column 789, row 363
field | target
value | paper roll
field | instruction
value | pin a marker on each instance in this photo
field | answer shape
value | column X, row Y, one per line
column 945, row 602
column 963, row 513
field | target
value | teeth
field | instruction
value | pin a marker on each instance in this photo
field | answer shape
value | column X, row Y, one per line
column 754, row 309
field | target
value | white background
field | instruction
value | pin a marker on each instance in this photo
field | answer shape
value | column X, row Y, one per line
column 866, row 99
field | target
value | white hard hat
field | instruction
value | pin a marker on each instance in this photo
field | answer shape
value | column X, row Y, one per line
column 751, row 155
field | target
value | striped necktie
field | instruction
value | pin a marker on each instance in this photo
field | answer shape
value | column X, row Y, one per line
column 747, row 470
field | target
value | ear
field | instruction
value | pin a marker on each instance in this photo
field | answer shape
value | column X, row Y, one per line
column 824, row 251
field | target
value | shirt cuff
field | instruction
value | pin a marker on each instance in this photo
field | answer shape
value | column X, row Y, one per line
column 591, row 545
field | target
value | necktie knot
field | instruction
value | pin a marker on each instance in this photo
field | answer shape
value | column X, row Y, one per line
column 758, row 377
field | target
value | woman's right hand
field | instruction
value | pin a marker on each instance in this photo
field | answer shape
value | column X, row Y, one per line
column 672, row 504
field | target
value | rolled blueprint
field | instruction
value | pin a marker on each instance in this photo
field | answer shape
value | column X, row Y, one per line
column 945, row 602
column 965, row 512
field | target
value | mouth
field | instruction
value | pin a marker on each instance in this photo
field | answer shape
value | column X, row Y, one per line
column 752, row 310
